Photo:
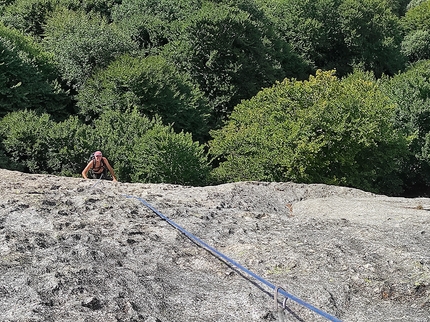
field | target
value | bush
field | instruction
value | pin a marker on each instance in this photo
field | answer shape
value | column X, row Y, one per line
column 152, row 86
column 144, row 150
column 164, row 156
column 28, row 77
column 411, row 93
column 324, row 130
column 33, row 142
column 23, row 136
column 69, row 146
column 81, row 43
column 416, row 45
column 140, row 150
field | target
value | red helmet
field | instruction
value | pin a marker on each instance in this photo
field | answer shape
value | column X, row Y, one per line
column 98, row 153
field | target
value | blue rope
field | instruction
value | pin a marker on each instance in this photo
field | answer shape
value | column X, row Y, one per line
column 98, row 181
column 227, row 259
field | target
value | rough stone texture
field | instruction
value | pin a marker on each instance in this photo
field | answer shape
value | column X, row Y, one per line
column 83, row 250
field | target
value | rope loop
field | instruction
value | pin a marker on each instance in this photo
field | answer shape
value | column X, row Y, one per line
column 284, row 303
column 275, row 297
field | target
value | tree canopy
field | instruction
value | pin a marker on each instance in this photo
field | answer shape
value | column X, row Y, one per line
column 331, row 91
column 325, row 130
column 151, row 85
column 411, row 93
column 82, row 43
column 28, row 77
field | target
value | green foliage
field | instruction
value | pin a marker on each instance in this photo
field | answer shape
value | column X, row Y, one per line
column 417, row 17
column 323, row 130
column 416, row 22
column 373, row 35
column 416, row 45
column 28, row 16
column 70, row 143
column 164, row 156
column 23, row 140
column 140, row 150
column 411, row 92
column 102, row 8
column 231, row 53
column 6, row 163
column 82, row 43
column 115, row 134
column 165, row 10
column 28, row 77
column 399, row 7
column 152, row 86
column 147, row 151
column 149, row 23
column 35, row 143
column 414, row 3
column 145, row 72
column 313, row 30
column 341, row 34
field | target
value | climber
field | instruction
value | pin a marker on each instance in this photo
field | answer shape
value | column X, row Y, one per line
column 98, row 166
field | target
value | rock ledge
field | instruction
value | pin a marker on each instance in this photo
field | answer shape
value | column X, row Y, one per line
column 81, row 250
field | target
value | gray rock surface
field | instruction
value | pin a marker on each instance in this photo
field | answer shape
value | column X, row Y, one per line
column 85, row 250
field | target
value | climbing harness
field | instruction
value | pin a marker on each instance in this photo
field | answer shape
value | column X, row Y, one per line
column 234, row 263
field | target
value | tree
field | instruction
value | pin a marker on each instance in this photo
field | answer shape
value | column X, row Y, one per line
column 417, row 17
column 149, row 23
column 35, row 143
column 416, row 22
column 373, row 35
column 144, row 150
column 414, row 3
column 416, row 45
column 411, row 93
column 313, row 30
column 28, row 77
column 341, row 34
column 82, row 43
column 115, row 134
column 69, row 145
column 23, row 136
column 324, row 130
column 28, row 16
column 141, row 150
column 152, row 86
column 169, row 157
column 231, row 53
column 399, row 7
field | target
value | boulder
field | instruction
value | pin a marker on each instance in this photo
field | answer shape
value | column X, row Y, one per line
column 87, row 250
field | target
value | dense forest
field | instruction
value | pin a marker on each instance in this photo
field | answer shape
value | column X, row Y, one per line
column 200, row 92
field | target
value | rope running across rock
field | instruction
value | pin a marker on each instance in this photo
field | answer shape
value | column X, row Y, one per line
column 234, row 263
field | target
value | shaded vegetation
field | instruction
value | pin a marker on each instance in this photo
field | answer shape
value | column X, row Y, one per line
column 330, row 91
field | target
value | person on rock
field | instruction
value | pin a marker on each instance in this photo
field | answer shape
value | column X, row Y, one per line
column 98, row 167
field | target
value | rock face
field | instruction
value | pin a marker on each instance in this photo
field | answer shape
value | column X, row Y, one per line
column 85, row 250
